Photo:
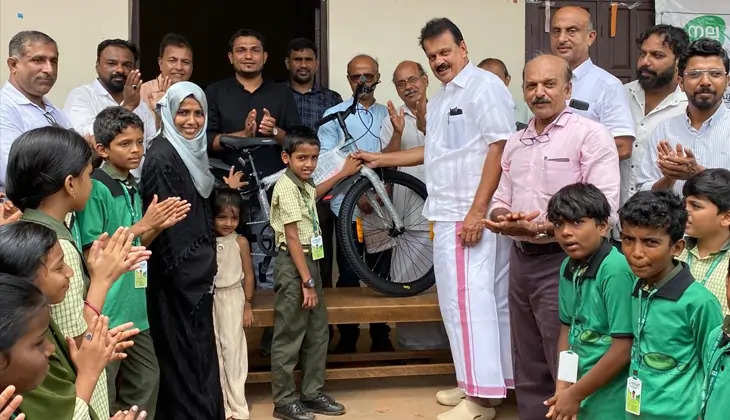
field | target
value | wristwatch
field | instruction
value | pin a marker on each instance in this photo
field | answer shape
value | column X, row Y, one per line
column 275, row 132
column 309, row 284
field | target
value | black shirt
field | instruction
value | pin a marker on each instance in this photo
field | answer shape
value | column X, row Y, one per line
column 229, row 103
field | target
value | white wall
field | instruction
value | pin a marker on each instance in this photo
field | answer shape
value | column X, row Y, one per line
column 76, row 25
column 389, row 29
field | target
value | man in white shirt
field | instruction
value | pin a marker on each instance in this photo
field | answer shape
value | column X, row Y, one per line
column 33, row 66
column 571, row 36
column 497, row 66
column 461, row 157
column 684, row 145
column 401, row 131
column 655, row 95
column 118, row 84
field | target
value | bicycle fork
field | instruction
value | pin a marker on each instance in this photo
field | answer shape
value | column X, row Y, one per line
column 383, row 195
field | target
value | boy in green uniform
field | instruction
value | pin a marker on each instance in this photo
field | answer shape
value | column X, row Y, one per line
column 594, row 306
column 707, row 197
column 716, row 392
column 115, row 202
column 300, row 314
column 672, row 314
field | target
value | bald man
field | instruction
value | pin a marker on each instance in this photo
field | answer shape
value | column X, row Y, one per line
column 363, row 125
column 558, row 148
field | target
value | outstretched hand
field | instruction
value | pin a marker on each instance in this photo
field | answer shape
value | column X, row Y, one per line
column 397, row 118
column 234, row 180
column 8, row 212
column 371, row 159
column 9, row 402
column 514, row 224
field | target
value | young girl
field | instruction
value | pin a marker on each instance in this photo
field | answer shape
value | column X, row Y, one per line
column 48, row 177
column 232, row 310
column 25, row 348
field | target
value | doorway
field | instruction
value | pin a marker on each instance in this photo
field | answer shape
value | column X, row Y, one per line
column 208, row 27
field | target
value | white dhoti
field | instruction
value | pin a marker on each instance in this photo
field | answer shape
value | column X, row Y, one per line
column 472, row 285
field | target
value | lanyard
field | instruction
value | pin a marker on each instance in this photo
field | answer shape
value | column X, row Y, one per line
column 577, row 303
column 132, row 210
column 713, row 265
column 712, row 377
column 75, row 232
column 643, row 315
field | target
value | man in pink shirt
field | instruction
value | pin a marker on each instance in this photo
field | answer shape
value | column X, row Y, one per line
column 557, row 148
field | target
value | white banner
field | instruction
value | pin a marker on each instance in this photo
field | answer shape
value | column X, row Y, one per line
column 700, row 18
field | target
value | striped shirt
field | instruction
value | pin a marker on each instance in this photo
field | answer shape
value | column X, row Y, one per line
column 710, row 145
column 716, row 280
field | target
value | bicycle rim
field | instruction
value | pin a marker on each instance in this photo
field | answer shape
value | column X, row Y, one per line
column 394, row 262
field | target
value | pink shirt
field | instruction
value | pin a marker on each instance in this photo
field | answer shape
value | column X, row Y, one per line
column 571, row 149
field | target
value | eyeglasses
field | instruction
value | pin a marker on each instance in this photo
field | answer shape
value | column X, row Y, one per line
column 529, row 141
column 401, row 84
column 369, row 77
column 697, row 74
column 49, row 117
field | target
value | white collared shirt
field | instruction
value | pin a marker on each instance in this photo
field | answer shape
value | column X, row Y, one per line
column 469, row 113
column 411, row 137
column 710, row 145
column 606, row 98
column 83, row 103
column 18, row 115
column 672, row 105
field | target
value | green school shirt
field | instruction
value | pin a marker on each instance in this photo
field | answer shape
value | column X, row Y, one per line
column 601, row 305
column 717, row 390
column 108, row 209
column 668, row 355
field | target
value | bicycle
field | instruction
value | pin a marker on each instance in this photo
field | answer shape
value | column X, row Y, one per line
column 382, row 233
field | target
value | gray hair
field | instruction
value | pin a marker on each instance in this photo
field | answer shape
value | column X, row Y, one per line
column 21, row 39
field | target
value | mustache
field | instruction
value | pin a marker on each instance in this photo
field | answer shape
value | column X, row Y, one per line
column 646, row 69
column 541, row 100
column 704, row 90
column 442, row 66
column 409, row 92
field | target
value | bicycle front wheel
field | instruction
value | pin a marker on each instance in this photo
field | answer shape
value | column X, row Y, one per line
column 395, row 262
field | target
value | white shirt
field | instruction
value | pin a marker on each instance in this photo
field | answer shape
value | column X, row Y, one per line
column 710, row 145
column 411, row 137
column 85, row 102
column 18, row 115
column 469, row 113
column 606, row 98
column 670, row 106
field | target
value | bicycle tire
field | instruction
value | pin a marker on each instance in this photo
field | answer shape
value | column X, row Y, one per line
column 351, row 246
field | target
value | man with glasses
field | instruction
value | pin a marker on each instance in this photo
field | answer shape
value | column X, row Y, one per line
column 117, row 84
column 558, row 148
column 406, row 128
column 364, row 127
column 33, row 66
column 686, row 144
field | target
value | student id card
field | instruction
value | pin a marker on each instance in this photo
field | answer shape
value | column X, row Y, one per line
column 568, row 366
column 317, row 247
column 633, row 395
column 140, row 276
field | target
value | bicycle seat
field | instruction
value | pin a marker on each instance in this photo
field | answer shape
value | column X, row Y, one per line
column 240, row 143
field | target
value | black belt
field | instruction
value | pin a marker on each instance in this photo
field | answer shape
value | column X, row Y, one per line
column 529, row 248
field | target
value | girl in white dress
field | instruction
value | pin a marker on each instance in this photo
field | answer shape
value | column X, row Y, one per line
column 232, row 302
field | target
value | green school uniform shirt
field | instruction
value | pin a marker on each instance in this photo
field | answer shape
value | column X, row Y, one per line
column 668, row 355
column 108, row 209
column 717, row 390
column 601, row 306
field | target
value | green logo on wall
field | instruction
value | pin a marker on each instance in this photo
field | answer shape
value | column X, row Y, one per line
column 708, row 26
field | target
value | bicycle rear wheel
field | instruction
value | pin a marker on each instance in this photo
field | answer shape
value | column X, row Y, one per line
column 392, row 261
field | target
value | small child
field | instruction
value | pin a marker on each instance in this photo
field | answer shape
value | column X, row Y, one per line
column 707, row 198
column 672, row 313
column 232, row 302
column 595, row 308
column 115, row 202
column 716, row 391
column 300, row 315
